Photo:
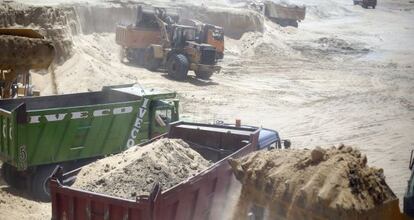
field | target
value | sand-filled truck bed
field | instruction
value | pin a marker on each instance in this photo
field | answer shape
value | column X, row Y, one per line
column 200, row 196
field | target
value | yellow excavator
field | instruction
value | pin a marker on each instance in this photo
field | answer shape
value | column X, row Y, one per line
column 21, row 51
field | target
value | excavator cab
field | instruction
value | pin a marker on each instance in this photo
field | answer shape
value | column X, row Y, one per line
column 214, row 36
column 181, row 35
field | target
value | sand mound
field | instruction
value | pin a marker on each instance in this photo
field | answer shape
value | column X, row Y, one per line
column 134, row 172
column 304, row 184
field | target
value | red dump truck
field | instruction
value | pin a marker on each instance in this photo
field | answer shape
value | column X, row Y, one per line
column 203, row 196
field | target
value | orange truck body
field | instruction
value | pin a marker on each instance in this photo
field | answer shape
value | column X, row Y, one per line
column 218, row 44
column 137, row 37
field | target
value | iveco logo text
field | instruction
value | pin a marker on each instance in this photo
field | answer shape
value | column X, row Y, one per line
column 81, row 114
column 137, row 124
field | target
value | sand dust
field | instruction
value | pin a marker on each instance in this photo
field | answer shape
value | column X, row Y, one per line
column 134, row 172
column 333, row 183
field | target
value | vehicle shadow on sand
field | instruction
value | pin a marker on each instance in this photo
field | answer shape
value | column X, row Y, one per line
column 193, row 80
column 16, row 192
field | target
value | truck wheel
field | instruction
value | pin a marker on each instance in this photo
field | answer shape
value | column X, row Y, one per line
column 178, row 66
column 139, row 57
column 294, row 23
column 40, row 183
column 150, row 62
column 204, row 74
column 6, row 173
column 129, row 53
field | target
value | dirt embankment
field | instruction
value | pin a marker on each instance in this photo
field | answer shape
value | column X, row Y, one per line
column 320, row 184
column 235, row 21
column 134, row 172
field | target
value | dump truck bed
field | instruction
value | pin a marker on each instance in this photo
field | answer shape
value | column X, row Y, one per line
column 203, row 196
column 293, row 12
column 137, row 37
column 53, row 129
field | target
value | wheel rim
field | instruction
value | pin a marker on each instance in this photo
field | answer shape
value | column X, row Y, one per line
column 45, row 187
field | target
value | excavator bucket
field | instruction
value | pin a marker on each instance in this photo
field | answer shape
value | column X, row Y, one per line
column 21, row 50
column 146, row 16
column 24, row 49
column 30, row 33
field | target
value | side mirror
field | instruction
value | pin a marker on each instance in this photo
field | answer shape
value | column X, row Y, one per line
column 410, row 166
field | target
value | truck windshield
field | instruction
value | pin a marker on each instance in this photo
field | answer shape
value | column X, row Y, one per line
column 218, row 34
column 162, row 117
column 189, row 34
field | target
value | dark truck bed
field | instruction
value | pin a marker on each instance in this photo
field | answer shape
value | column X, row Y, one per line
column 200, row 197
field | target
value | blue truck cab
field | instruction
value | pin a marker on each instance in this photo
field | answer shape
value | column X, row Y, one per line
column 409, row 195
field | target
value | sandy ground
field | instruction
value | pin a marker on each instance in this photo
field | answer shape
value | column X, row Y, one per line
column 345, row 76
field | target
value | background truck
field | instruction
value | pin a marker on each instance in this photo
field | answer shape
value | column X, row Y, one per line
column 158, row 41
column 203, row 196
column 284, row 15
column 366, row 3
column 70, row 130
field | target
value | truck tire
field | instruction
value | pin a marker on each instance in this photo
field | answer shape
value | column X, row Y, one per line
column 203, row 74
column 129, row 54
column 40, row 183
column 178, row 66
column 294, row 23
column 6, row 173
column 150, row 62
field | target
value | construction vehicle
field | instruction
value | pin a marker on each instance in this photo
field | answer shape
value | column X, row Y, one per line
column 203, row 196
column 70, row 130
column 208, row 34
column 284, row 15
column 409, row 195
column 21, row 51
column 157, row 41
column 366, row 3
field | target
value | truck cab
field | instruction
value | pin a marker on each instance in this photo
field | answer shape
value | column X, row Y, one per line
column 163, row 109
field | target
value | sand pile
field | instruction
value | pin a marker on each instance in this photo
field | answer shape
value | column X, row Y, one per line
column 134, row 172
column 320, row 184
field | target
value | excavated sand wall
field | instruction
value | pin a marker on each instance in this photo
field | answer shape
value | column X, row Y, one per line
column 100, row 18
column 59, row 24
column 235, row 21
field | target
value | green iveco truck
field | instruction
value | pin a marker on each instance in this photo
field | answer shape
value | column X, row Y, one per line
column 38, row 133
